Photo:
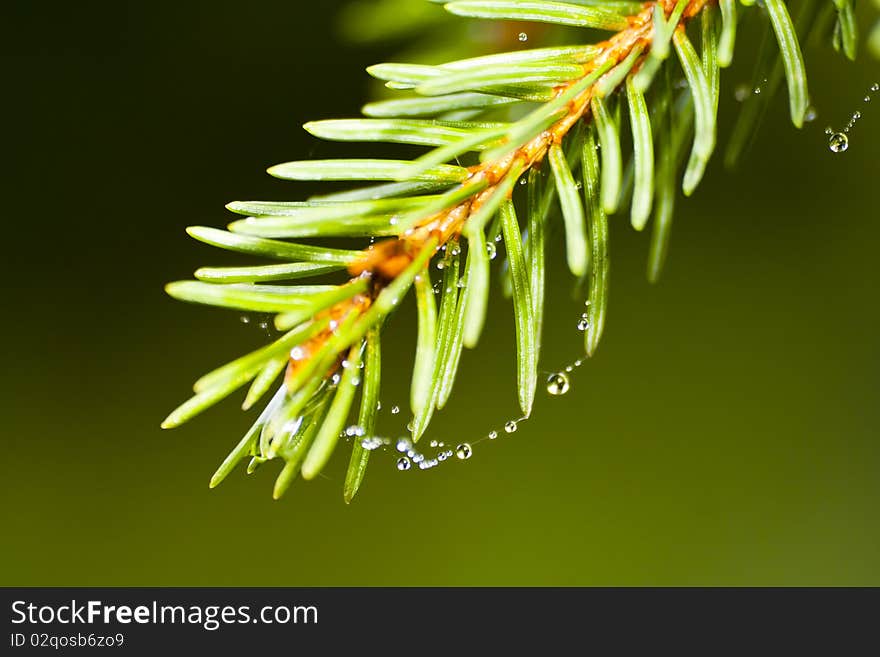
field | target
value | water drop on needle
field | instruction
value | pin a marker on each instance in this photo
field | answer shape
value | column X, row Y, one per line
column 395, row 410
column 558, row 384
column 464, row 451
column 403, row 463
column 493, row 435
column 523, row 36
column 510, row 427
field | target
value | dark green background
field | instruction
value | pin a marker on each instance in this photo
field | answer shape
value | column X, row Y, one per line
column 726, row 432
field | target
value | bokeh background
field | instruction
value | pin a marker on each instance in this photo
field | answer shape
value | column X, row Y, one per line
column 726, row 433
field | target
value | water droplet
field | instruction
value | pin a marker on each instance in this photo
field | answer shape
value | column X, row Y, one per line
column 810, row 114
column 491, row 250
column 297, row 353
column 370, row 444
column 395, row 410
column 418, row 458
column 875, row 86
column 523, row 36
column 245, row 319
column 403, row 463
column 510, row 427
column 433, row 443
column 442, row 456
column 584, row 322
column 741, row 92
column 522, row 181
column 867, row 99
column 838, row 143
column 464, row 451
column 404, row 445
column 856, row 116
column 557, row 384
column 493, row 435
column 757, row 91
column 440, row 264
column 829, row 131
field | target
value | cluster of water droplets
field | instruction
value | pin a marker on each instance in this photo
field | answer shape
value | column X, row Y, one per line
column 838, row 140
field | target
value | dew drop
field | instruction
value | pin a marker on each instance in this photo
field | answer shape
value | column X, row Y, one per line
column 464, row 451
column 867, row 99
column 442, row 456
column 433, row 443
column 395, row 410
column 403, row 463
column 440, row 264
column 811, row 114
column 404, row 445
column 510, row 427
column 583, row 322
column 875, row 86
column 491, row 250
column 838, row 142
column 523, row 36
column 558, row 384
column 493, row 435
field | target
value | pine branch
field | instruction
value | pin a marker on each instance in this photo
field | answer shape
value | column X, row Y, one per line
column 566, row 101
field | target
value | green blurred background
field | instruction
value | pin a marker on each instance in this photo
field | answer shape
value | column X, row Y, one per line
column 726, row 433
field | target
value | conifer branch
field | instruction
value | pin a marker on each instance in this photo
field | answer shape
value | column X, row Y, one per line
column 566, row 101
